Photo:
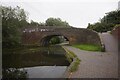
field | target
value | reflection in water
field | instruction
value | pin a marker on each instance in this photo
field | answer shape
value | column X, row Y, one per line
column 24, row 63
column 46, row 71
column 14, row 73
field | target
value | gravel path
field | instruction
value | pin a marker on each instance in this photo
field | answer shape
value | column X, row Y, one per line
column 98, row 64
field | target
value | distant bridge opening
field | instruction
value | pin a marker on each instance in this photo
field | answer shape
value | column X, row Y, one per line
column 54, row 40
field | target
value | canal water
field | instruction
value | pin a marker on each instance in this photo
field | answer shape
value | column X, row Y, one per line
column 37, row 62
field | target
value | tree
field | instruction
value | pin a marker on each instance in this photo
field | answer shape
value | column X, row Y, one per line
column 55, row 40
column 13, row 19
column 42, row 24
column 33, row 23
column 112, row 17
column 107, row 23
column 100, row 27
column 56, row 22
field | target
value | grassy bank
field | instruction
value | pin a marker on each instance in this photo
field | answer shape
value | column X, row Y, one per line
column 88, row 47
column 73, row 59
column 74, row 65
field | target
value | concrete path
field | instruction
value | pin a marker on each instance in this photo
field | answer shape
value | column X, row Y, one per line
column 98, row 64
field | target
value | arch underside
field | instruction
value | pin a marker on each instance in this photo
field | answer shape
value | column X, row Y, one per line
column 45, row 40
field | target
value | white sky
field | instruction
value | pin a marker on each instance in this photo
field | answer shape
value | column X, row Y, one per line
column 78, row 13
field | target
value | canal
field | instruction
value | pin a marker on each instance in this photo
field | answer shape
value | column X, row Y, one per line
column 34, row 62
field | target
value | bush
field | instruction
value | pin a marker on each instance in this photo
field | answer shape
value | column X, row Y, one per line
column 13, row 19
column 107, row 23
column 55, row 40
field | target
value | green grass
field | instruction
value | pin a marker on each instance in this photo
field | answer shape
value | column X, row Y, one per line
column 70, row 55
column 73, row 59
column 88, row 47
column 75, row 65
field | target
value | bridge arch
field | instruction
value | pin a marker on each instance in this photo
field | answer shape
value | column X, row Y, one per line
column 46, row 39
column 41, row 35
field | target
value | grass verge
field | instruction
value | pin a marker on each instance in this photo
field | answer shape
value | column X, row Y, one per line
column 88, row 47
column 73, row 59
column 74, row 66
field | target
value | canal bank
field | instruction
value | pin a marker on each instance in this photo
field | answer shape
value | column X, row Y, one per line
column 40, row 63
column 74, row 63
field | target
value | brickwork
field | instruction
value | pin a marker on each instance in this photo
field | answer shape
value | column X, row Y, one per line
column 41, row 36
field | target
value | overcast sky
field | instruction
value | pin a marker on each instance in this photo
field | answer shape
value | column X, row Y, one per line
column 77, row 13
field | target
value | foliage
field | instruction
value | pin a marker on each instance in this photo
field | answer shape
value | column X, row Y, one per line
column 13, row 19
column 75, row 65
column 118, row 25
column 107, row 23
column 33, row 23
column 56, row 22
column 42, row 24
column 14, row 73
column 55, row 40
column 70, row 55
column 50, row 22
column 88, row 47
column 112, row 17
column 101, row 27
column 73, row 59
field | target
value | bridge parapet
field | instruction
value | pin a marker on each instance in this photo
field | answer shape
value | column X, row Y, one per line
column 41, row 36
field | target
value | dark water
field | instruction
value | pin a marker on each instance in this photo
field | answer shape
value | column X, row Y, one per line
column 37, row 62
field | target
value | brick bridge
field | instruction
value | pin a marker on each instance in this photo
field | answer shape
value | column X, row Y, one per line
column 42, row 35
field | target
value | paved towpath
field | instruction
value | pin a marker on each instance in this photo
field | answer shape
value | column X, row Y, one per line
column 98, row 64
